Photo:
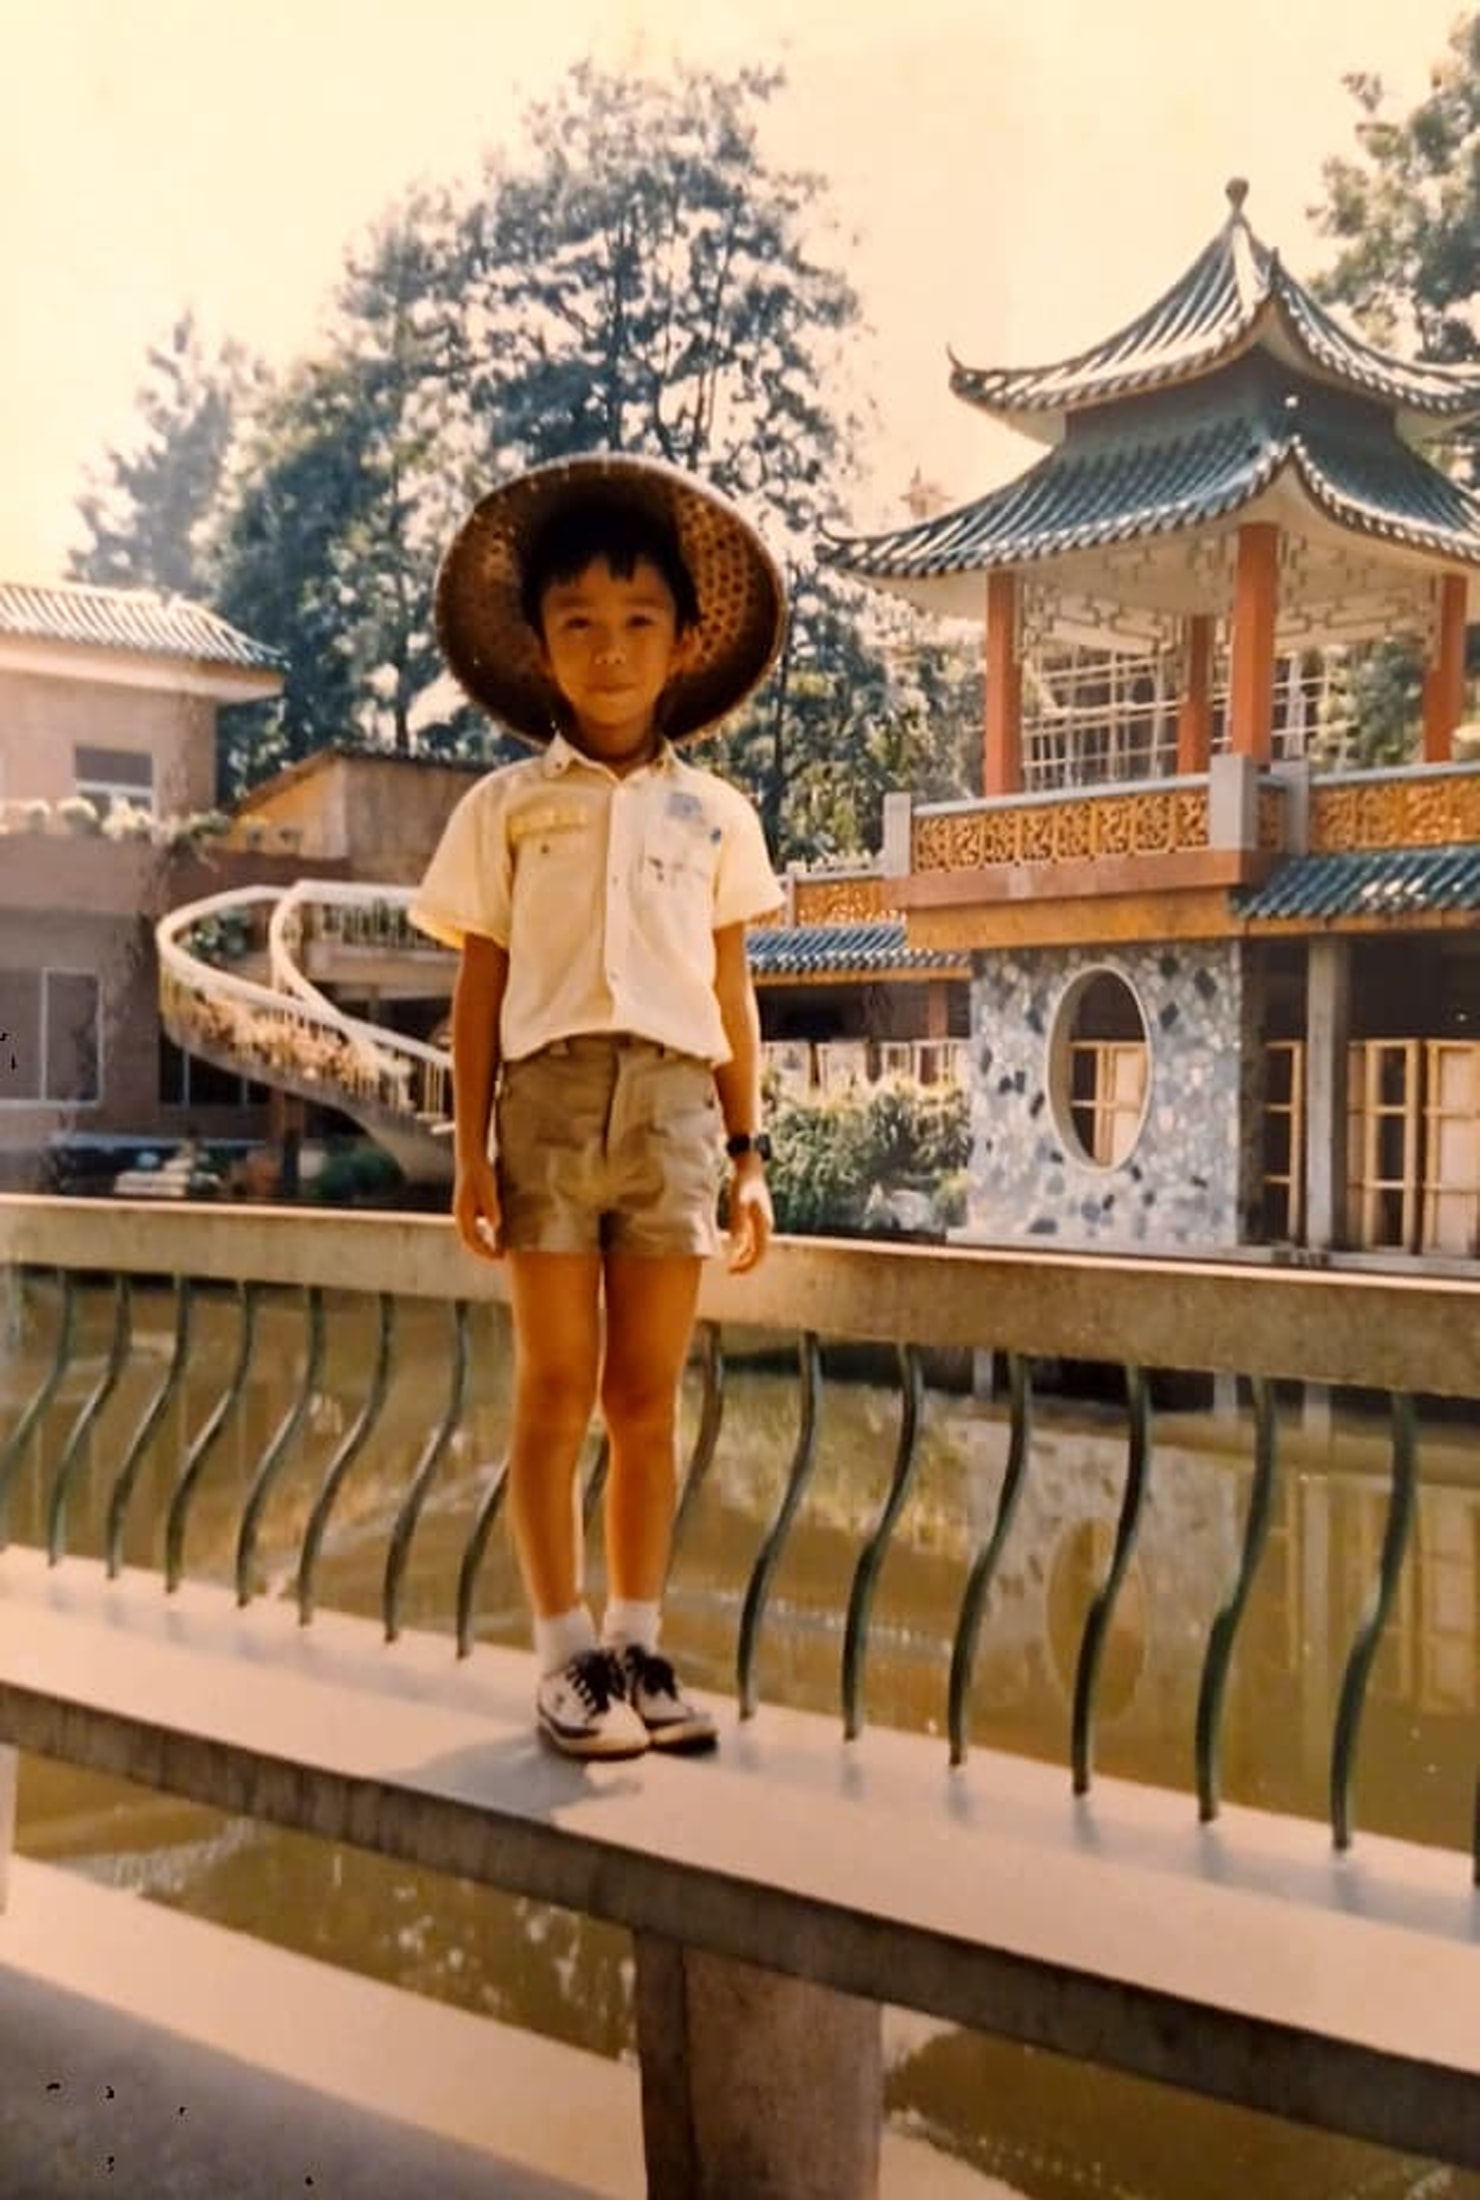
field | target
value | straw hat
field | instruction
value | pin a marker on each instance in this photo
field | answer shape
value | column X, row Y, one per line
column 495, row 654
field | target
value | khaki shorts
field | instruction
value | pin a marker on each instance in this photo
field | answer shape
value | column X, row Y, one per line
column 608, row 1141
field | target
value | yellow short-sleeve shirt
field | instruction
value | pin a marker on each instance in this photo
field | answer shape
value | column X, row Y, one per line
column 606, row 892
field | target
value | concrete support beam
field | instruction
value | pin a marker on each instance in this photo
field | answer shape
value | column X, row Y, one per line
column 1327, row 1035
column 1233, row 802
column 896, row 857
column 754, row 2086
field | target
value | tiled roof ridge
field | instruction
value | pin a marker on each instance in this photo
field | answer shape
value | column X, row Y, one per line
column 1219, row 306
column 145, row 619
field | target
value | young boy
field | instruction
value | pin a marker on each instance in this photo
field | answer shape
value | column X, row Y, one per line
column 604, row 1024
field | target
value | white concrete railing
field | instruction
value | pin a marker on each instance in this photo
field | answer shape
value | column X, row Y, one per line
column 288, row 1033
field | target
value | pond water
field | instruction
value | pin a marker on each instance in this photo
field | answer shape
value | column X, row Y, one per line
column 1050, row 2129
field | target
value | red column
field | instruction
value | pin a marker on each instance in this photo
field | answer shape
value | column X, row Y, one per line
column 1444, row 683
column 1251, row 675
column 1195, row 715
column 1002, row 752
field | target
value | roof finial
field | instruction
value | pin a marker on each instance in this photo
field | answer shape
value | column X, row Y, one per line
column 1236, row 190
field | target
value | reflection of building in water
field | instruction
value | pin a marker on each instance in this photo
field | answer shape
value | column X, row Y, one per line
column 1315, row 1582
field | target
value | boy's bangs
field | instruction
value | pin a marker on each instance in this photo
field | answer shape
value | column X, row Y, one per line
column 617, row 532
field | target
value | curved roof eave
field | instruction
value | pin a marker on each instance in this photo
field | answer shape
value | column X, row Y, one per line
column 1219, row 308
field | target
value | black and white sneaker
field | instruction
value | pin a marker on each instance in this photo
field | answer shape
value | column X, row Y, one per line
column 670, row 1719
column 583, row 1709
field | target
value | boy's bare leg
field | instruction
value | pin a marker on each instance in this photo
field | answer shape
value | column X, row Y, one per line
column 557, row 1344
column 650, row 1307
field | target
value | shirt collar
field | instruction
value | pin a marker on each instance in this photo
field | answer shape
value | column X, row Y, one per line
column 562, row 756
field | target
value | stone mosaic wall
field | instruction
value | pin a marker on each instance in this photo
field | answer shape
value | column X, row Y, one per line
column 1182, row 1185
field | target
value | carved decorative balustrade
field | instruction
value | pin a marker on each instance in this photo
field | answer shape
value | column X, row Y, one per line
column 1163, row 819
column 1433, row 806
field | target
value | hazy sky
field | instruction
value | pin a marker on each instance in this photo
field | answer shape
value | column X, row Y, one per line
column 1019, row 177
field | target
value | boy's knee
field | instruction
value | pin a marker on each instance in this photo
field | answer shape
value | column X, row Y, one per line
column 563, row 1404
column 639, row 1408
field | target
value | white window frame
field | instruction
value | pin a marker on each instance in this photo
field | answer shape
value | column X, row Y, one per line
column 42, row 1098
column 103, row 792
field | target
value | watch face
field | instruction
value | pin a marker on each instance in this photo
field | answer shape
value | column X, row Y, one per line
column 743, row 1142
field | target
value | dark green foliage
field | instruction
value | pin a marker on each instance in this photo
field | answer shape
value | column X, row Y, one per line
column 1405, row 214
column 833, row 1159
column 637, row 276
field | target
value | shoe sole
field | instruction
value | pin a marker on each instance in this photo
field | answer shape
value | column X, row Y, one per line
column 591, row 1745
column 684, row 1741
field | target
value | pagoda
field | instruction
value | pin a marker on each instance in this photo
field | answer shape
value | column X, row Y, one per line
column 1224, row 1000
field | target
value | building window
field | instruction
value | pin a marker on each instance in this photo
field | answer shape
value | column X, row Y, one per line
column 1383, row 1121
column 53, row 1043
column 1451, row 1177
column 1284, row 1142
column 188, row 1081
column 109, row 776
column 1099, row 1060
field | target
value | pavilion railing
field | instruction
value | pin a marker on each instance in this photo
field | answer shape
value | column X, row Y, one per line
column 1407, row 1336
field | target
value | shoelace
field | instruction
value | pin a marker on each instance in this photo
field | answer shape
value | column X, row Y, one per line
column 648, row 1670
column 592, row 1678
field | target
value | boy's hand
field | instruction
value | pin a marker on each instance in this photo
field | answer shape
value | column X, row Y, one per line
column 750, row 1214
column 475, row 1207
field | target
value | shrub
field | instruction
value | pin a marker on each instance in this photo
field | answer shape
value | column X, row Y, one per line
column 836, row 1161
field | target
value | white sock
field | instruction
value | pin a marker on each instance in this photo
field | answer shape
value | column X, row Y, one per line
column 628, row 1621
column 563, row 1637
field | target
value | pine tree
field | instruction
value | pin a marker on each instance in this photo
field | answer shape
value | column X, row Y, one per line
column 148, row 510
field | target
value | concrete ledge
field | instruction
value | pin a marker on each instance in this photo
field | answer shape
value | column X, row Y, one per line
column 1246, row 1960
column 1375, row 1330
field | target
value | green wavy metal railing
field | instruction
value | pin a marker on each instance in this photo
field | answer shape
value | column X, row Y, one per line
column 80, row 1436
column 1102, row 1609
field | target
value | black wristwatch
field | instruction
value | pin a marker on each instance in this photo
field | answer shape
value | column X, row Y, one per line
column 744, row 1142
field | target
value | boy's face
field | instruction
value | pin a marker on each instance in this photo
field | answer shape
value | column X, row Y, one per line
column 611, row 646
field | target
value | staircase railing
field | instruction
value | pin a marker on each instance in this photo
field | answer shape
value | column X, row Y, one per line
column 288, row 1033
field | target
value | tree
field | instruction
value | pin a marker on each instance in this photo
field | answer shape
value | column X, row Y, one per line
column 637, row 277
column 644, row 282
column 148, row 509
column 1406, row 216
column 1406, row 212
column 329, row 540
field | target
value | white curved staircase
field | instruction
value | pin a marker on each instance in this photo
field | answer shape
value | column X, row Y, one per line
column 280, row 1028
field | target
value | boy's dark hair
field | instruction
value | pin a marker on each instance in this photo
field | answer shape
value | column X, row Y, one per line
column 613, row 528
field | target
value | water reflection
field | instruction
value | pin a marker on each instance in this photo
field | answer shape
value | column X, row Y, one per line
column 1047, row 2127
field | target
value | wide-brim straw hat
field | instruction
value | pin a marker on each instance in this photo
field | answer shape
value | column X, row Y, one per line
column 494, row 653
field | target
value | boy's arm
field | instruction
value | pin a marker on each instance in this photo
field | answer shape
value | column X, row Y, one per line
column 477, row 1005
column 738, row 1083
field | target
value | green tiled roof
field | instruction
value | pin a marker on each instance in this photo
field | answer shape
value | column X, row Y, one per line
column 1370, row 882
column 1089, row 495
column 827, row 950
column 1234, row 292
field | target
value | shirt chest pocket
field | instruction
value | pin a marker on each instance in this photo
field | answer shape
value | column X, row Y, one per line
column 680, row 855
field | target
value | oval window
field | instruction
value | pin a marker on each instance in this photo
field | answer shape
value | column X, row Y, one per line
column 1099, row 1069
